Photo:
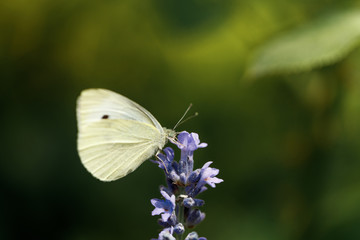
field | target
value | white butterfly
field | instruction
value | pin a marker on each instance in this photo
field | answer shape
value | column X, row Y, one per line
column 115, row 134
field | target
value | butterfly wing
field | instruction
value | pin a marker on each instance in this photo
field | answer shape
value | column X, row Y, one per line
column 111, row 147
column 96, row 104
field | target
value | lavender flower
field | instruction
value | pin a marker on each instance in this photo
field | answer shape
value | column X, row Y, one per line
column 194, row 236
column 164, row 207
column 180, row 210
column 208, row 175
column 166, row 234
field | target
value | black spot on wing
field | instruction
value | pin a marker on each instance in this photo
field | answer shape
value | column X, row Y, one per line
column 105, row 116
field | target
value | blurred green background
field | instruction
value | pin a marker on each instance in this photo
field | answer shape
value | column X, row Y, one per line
column 287, row 145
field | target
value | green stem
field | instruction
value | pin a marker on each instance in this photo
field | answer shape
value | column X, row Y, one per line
column 180, row 216
column 181, row 220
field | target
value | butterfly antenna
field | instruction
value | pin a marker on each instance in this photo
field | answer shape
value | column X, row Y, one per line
column 181, row 119
column 189, row 117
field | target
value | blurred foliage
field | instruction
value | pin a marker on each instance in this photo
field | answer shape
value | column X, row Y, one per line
column 287, row 146
column 322, row 42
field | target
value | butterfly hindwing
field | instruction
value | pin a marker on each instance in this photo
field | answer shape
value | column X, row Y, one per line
column 112, row 148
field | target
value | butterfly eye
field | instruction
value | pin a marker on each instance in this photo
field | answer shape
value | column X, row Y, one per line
column 105, row 117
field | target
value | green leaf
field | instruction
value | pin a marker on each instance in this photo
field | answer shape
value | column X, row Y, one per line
column 321, row 42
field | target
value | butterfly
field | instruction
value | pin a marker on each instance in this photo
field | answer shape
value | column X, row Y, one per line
column 115, row 134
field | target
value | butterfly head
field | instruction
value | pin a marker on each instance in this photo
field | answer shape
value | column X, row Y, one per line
column 170, row 134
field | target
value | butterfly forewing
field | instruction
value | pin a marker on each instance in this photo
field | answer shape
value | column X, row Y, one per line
column 97, row 104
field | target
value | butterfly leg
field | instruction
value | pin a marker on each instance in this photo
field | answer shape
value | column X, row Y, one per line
column 156, row 155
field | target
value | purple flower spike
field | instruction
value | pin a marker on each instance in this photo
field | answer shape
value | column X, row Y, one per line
column 164, row 207
column 180, row 210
